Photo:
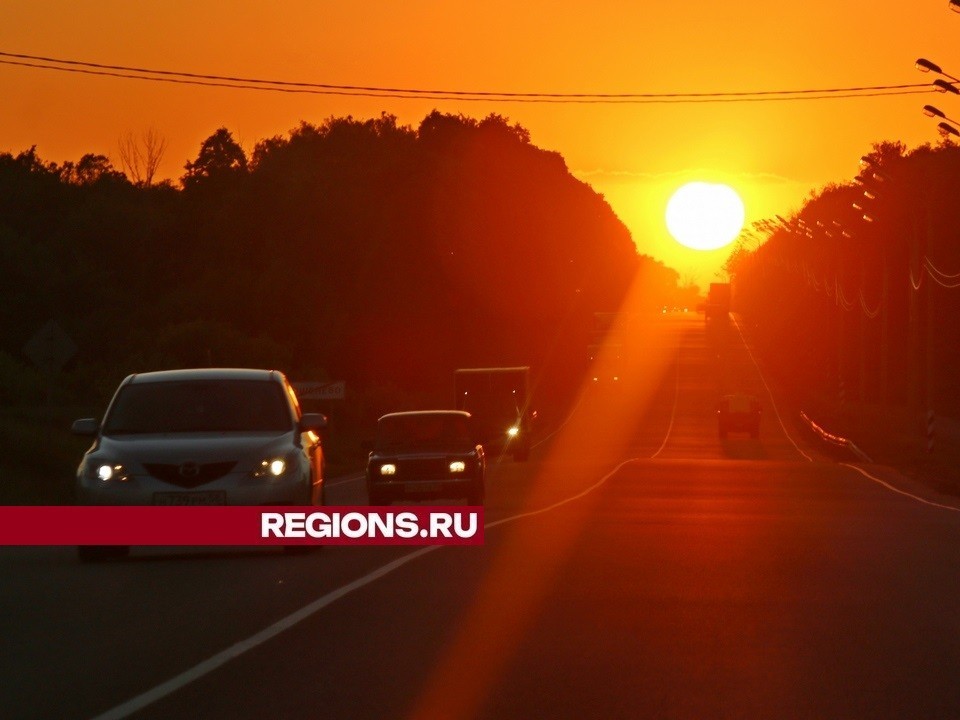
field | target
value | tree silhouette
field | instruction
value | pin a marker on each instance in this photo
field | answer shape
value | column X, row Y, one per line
column 220, row 158
column 860, row 287
column 140, row 157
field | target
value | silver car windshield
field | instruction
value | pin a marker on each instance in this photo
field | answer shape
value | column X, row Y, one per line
column 448, row 433
column 193, row 406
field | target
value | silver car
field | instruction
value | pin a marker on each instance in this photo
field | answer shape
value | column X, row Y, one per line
column 202, row 437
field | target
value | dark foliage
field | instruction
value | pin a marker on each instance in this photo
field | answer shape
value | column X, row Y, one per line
column 866, row 304
column 354, row 249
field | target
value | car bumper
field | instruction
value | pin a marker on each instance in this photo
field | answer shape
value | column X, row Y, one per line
column 226, row 491
column 739, row 422
column 424, row 489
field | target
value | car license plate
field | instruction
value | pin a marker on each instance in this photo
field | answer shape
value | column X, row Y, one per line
column 422, row 487
column 209, row 497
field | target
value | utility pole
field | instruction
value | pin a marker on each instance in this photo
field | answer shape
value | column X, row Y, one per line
column 885, row 332
column 913, row 324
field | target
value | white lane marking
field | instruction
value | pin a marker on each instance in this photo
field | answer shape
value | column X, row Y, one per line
column 356, row 477
column 769, row 393
column 676, row 398
column 540, row 511
column 897, row 490
column 234, row 651
column 221, row 658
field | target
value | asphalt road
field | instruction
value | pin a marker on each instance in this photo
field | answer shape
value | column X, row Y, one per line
column 636, row 567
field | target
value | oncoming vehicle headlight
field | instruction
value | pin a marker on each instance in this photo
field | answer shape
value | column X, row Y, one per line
column 107, row 471
column 388, row 469
column 458, row 466
column 513, row 431
column 272, row 467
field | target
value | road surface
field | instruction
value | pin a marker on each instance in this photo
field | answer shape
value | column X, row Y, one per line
column 637, row 566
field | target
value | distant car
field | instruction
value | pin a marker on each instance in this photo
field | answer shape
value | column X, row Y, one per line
column 423, row 455
column 201, row 437
column 738, row 413
column 606, row 363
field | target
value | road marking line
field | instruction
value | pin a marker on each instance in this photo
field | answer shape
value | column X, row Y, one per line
column 236, row 650
column 345, row 480
column 540, row 511
column 898, row 490
column 676, row 398
column 769, row 393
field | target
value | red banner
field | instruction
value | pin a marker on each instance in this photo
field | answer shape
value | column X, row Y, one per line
column 240, row 525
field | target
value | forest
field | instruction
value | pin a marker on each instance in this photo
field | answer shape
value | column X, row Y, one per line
column 359, row 250
column 854, row 299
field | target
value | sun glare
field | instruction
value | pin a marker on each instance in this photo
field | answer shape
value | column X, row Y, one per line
column 705, row 216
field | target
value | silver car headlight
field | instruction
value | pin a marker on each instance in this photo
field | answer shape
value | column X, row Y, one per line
column 107, row 471
column 271, row 468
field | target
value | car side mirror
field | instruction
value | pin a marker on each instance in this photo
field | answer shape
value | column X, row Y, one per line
column 86, row 427
column 315, row 422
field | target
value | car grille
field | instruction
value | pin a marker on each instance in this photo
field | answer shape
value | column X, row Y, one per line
column 189, row 475
column 423, row 469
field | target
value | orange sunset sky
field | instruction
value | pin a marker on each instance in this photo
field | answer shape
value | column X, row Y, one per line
column 773, row 153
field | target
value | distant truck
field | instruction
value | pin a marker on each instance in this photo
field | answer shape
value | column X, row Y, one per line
column 718, row 302
column 497, row 400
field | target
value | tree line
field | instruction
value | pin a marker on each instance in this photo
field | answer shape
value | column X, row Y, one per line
column 363, row 250
column 855, row 296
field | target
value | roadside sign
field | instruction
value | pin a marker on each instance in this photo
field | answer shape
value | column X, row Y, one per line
column 321, row 391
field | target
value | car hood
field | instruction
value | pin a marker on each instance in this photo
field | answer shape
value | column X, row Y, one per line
column 192, row 447
column 421, row 454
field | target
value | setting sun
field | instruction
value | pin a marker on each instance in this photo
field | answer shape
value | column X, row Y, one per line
column 705, row 216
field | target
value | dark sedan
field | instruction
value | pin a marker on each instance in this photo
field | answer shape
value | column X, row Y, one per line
column 425, row 455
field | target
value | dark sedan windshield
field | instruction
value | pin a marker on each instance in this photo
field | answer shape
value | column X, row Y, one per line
column 199, row 406
column 424, row 432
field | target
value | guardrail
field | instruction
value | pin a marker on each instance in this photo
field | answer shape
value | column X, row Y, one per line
column 834, row 440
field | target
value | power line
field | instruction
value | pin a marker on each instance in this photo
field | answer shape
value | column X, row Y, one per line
column 939, row 277
column 935, row 270
column 242, row 83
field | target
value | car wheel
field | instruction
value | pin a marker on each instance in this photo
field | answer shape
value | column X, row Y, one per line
column 100, row 553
